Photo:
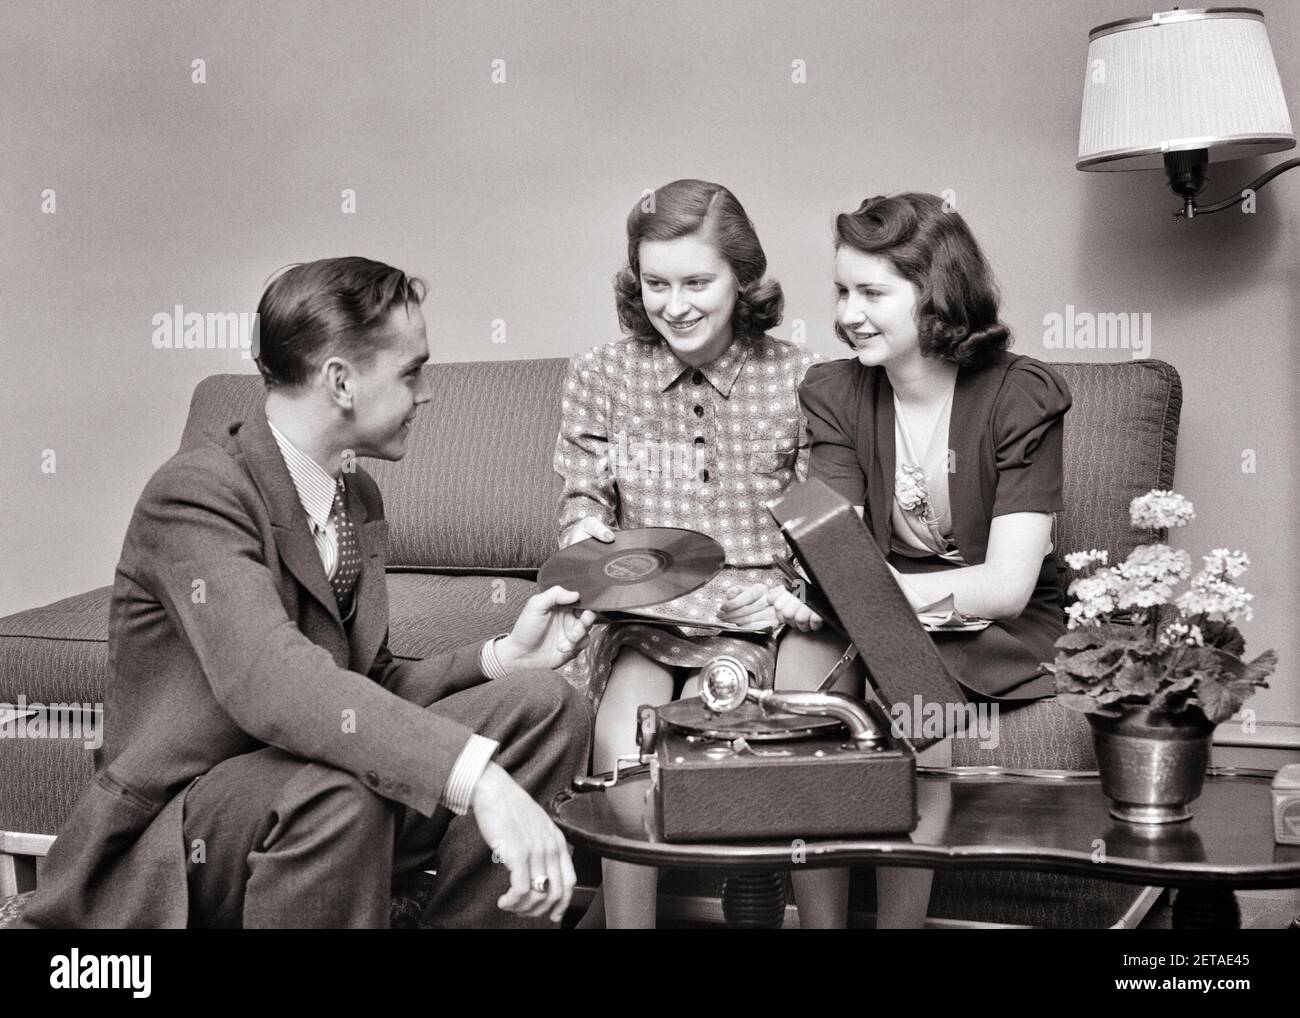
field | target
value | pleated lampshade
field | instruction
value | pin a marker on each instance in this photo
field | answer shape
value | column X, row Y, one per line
column 1179, row 81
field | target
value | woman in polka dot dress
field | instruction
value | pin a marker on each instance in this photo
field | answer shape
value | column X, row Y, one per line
column 690, row 421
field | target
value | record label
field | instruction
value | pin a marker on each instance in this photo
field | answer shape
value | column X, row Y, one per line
column 635, row 565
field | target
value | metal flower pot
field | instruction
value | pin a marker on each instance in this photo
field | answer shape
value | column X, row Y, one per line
column 1152, row 764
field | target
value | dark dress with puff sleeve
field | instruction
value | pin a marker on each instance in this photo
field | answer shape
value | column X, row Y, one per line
column 1005, row 433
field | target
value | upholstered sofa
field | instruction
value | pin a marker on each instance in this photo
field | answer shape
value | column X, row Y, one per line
column 472, row 516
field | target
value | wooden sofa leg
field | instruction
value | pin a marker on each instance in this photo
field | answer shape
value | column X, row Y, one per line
column 18, row 860
column 12, row 869
column 8, row 875
column 17, row 874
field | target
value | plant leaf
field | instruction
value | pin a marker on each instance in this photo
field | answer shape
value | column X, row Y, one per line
column 1093, row 663
column 1080, row 639
column 1173, row 697
column 1218, row 699
column 1134, row 678
column 1108, row 694
column 1261, row 668
column 1084, row 704
column 1073, row 684
column 1086, row 637
column 1223, row 636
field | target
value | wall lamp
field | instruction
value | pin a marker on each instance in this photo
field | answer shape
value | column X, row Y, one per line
column 1178, row 88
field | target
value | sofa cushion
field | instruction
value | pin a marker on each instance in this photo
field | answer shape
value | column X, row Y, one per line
column 57, row 653
column 1025, row 898
column 1120, row 438
column 43, row 779
column 475, row 491
column 429, row 613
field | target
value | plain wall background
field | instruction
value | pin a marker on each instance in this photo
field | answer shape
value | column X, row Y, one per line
column 510, row 198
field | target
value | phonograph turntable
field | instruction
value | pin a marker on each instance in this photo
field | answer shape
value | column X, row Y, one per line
column 741, row 762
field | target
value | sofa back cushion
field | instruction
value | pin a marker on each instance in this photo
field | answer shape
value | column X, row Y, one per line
column 475, row 491
column 1120, row 438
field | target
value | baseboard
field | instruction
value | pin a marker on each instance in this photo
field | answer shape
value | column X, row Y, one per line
column 1265, row 735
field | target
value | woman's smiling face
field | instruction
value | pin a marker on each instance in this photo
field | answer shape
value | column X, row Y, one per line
column 875, row 309
column 689, row 292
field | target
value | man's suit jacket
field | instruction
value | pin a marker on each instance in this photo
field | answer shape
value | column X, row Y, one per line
column 225, row 637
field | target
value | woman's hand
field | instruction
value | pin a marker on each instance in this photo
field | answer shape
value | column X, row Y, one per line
column 793, row 612
column 587, row 527
column 747, row 606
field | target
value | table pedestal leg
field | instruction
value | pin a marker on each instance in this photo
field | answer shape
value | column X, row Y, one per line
column 753, row 901
column 1206, row 908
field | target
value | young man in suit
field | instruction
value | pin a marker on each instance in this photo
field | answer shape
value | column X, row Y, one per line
column 266, row 761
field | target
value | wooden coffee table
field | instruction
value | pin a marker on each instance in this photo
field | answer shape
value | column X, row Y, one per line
column 1050, row 821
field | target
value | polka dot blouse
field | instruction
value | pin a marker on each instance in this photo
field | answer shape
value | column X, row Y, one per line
column 648, row 441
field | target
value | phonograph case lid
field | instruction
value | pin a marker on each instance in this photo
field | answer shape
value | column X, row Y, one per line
column 844, row 561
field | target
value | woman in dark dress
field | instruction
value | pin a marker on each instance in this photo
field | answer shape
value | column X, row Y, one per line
column 951, row 446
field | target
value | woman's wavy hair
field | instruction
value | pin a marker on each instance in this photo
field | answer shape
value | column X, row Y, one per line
column 931, row 247
column 685, row 207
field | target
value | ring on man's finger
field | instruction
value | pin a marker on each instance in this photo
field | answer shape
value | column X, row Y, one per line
column 541, row 884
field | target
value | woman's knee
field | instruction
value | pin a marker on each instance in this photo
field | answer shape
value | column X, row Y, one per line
column 803, row 661
column 634, row 679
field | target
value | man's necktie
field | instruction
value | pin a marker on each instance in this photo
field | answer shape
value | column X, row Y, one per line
column 348, row 568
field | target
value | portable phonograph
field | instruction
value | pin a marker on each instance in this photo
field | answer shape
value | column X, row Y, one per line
column 742, row 762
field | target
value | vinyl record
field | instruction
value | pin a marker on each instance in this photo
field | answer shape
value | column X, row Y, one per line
column 638, row 568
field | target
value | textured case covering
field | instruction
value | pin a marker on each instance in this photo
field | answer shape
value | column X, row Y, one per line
column 706, row 792
column 844, row 561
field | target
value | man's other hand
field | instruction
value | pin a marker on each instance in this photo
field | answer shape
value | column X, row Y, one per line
column 523, row 837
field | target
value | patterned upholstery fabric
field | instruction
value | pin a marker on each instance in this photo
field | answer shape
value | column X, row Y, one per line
column 1120, row 438
column 472, row 509
column 1025, row 898
column 475, row 491
column 56, row 653
column 40, row 780
column 1040, row 735
column 428, row 613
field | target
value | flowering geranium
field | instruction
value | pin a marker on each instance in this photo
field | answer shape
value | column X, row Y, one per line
column 1159, row 510
column 1174, row 653
column 1080, row 560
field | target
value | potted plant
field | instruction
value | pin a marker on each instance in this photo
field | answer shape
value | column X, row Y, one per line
column 1155, row 672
